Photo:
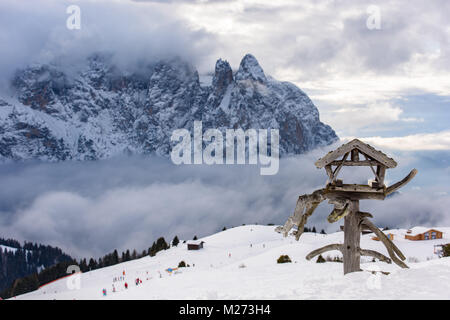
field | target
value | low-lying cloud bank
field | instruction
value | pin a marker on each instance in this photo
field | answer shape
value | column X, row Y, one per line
column 90, row 208
column 414, row 142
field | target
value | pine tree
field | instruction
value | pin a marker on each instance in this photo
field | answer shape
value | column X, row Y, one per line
column 320, row 259
column 25, row 285
column 152, row 250
column 224, row 228
column 83, row 265
column 92, row 264
column 195, row 238
column 314, row 229
column 115, row 257
column 323, row 232
column 161, row 244
column 175, row 241
column 100, row 263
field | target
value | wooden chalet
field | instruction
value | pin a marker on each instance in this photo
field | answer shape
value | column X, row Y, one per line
column 195, row 245
column 427, row 235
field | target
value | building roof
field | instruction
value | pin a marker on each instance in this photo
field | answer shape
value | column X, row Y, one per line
column 421, row 230
column 361, row 146
column 196, row 242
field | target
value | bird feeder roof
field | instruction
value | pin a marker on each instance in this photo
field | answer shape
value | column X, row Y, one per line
column 364, row 148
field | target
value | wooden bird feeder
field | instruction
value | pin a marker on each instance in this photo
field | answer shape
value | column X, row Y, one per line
column 345, row 198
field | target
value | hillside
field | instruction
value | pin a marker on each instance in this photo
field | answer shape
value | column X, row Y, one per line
column 17, row 260
column 240, row 263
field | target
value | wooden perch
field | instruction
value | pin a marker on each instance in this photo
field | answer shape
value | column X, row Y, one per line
column 372, row 253
column 401, row 183
column 330, row 247
column 390, row 246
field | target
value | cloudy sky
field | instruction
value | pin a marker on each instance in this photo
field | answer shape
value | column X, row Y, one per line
column 378, row 81
column 388, row 83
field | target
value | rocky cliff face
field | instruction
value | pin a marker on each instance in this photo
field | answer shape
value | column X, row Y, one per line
column 100, row 112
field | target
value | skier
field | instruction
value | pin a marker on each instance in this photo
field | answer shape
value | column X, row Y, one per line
column 114, row 288
column 104, row 292
column 126, row 285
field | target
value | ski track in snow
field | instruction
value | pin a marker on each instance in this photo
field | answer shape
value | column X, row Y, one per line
column 214, row 274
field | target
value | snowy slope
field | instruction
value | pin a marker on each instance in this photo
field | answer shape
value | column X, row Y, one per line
column 218, row 271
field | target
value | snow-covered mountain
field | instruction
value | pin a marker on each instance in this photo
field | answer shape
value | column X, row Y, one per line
column 241, row 263
column 99, row 111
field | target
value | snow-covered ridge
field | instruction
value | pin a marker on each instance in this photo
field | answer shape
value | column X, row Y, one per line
column 240, row 263
column 7, row 249
column 100, row 111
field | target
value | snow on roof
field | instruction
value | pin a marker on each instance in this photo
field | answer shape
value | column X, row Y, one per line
column 194, row 242
column 420, row 230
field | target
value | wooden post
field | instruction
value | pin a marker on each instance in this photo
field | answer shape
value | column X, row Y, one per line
column 352, row 236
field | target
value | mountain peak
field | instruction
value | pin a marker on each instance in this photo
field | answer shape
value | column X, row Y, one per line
column 250, row 69
column 223, row 75
column 103, row 111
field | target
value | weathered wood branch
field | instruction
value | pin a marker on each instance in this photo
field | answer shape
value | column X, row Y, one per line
column 381, row 235
column 329, row 173
column 339, row 167
column 338, row 214
column 402, row 182
column 355, row 163
column 301, row 226
column 306, row 204
column 365, row 214
column 330, row 247
column 355, row 195
column 390, row 246
column 375, row 254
